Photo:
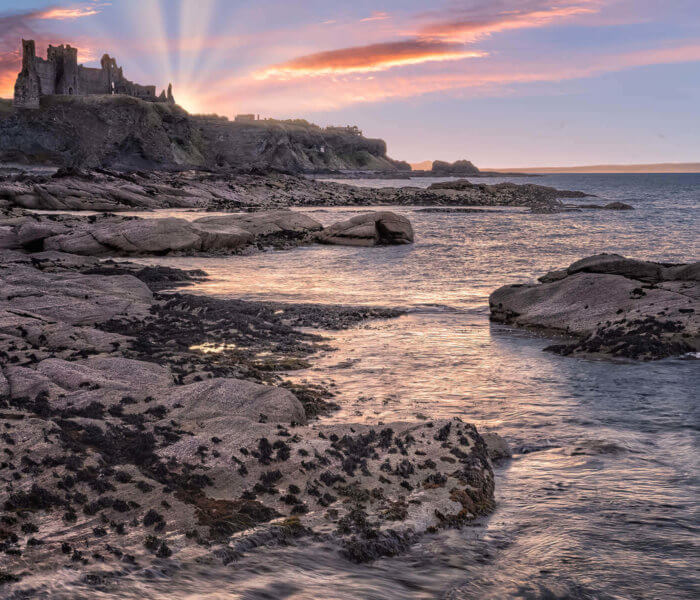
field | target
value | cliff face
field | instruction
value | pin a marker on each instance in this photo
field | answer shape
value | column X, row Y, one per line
column 100, row 131
column 293, row 146
column 120, row 132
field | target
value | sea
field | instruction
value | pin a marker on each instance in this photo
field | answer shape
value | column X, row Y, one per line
column 601, row 497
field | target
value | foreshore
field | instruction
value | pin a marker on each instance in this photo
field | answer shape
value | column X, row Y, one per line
column 143, row 422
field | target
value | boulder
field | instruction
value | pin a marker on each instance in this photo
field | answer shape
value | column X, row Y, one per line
column 149, row 236
column 28, row 383
column 371, row 229
column 689, row 272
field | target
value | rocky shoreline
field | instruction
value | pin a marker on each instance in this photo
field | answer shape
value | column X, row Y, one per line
column 612, row 306
column 141, row 427
column 101, row 190
column 143, row 424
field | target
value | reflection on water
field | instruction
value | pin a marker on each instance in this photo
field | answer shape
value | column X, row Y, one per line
column 600, row 500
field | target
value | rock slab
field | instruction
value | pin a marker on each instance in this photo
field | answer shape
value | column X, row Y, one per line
column 613, row 306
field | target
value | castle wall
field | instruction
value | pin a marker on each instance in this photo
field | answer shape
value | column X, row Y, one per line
column 60, row 73
column 93, row 81
column 47, row 76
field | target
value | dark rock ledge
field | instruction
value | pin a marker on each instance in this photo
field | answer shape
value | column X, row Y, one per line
column 102, row 190
column 612, row 306
column 124, row 444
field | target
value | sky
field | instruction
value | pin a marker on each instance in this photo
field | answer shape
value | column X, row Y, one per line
column 503, row 83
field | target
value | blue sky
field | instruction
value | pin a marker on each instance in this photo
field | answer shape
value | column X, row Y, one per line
column 500, row 82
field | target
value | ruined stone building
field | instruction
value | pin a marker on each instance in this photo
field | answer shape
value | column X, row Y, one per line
column 60, row 73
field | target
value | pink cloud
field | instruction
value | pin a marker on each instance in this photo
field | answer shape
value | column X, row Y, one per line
column 280, row 97
column 440, row 36
column 468, row 25
column 376, row 16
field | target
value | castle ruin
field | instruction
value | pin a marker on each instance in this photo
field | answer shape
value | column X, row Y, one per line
column 60, row 73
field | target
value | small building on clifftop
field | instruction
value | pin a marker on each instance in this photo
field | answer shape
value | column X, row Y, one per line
column 60, row 74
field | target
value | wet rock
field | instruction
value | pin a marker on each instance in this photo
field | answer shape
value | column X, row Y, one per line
column 220, row 398
column 614, row 264
column 618, row 206
column 9, row 239
column 496, row 446
column 73, row 298
column 265, row 223
column 372, row 229
column 614, row 306
column 138, row 236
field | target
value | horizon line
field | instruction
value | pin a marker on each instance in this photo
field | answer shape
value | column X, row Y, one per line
column 664, row 167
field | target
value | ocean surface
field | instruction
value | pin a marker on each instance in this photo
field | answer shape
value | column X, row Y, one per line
column 601, row 498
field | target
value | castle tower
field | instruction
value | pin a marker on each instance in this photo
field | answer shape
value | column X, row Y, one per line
column 111, row 74
column 65, row 61
column 170, row 98
column 27, row 86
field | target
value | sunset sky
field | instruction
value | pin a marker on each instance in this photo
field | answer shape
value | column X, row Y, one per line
column 504, row 83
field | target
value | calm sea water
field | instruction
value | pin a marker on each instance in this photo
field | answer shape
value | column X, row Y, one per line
column 601, row 498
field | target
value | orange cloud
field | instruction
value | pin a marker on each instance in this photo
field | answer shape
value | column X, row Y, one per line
column 61, row 14
column 366, row 59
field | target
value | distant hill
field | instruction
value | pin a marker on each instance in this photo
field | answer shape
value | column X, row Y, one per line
column 426, row 165
column 691, row 167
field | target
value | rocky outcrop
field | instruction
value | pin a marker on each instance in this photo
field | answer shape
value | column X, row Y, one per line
column 77, row 190
column 510, row 193
column 613, row 305
column 110, row 191
column 109, row 235
column 109, row 131
column 121, row 132
column 608, row 206
column 372, row 229
column 121, row 456
column 459, row 168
